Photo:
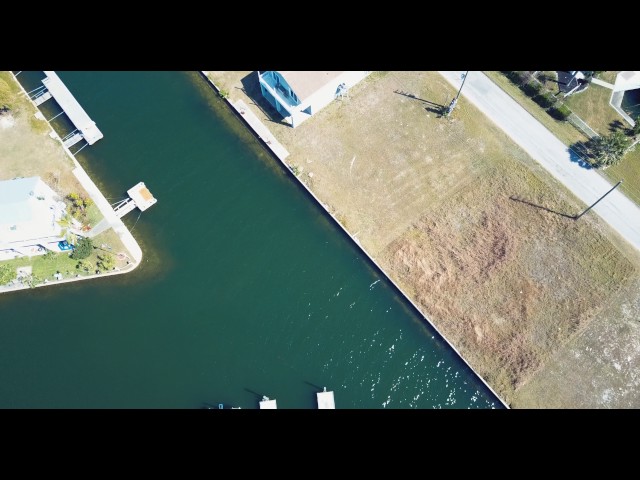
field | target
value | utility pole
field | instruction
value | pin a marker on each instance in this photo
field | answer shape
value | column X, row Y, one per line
column 454, row 102
column 614, row 187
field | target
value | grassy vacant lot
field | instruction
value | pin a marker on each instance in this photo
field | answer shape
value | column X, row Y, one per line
column 446, row 207
column 592, row 105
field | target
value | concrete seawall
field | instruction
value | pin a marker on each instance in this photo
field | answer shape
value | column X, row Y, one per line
column 277, row 153
column 105, row 208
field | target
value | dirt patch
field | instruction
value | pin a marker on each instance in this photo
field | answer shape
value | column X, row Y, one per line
column 7, row 121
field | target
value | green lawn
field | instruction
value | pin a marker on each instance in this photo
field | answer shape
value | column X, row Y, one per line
column 592, row 106
column 45, row 267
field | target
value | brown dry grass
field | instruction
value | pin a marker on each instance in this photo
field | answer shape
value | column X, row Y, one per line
column 601, row 366
column 509, row 284
column 28, row 151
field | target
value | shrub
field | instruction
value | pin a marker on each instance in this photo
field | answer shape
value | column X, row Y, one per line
column 532, row 88
column 82, row 249
column 7, row 274
column 559, row 112
column 635, row 130
column 545, row 100
column 105, row 261
column 516, row 77
column 85, row 265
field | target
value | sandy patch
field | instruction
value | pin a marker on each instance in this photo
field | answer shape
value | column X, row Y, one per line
column 7, row 121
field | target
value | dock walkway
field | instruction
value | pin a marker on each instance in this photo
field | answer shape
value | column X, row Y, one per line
column 258, row 127
column 72, row 108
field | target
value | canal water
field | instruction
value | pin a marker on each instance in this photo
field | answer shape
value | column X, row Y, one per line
column 246, row 288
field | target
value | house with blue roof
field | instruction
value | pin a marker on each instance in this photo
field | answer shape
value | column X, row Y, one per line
column 298, row 95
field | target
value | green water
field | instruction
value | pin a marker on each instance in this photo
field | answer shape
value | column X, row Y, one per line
column 246, row 287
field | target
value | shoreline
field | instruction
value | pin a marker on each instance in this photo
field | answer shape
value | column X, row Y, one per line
column 270, row 148
column 118, row 226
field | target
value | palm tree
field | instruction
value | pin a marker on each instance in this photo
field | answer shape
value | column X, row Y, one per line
column 66, row 222
column 610, row 149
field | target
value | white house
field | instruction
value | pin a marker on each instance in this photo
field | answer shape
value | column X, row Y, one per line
column 625, row 81
column 29, row 214
column 298, row 95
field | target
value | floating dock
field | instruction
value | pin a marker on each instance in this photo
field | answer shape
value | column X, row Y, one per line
column 139, row 196
column 267, row 404
column 326, row 400
column 56, row 88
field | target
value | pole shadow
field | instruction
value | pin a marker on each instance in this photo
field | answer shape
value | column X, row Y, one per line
column 258, row 395
column 316, row 387
column 526, row 202
column 411, row 95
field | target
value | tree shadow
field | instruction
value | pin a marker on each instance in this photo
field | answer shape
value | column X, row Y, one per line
column 546, row 209
column 251, row 88
column 580, row 153
column 616, row 125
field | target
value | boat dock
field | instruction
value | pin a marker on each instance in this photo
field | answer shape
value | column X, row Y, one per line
column 139, row 196
column 326, row 400
column 267, row 404
column 57, row 89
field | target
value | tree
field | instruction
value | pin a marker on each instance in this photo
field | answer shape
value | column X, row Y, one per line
column 105, row 261
column 82, row 249
column 85, row 265
column 610, row 149
column 79, row 205
column 7, row 274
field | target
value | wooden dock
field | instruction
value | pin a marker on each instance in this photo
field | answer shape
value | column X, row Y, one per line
column 259, row 128
column 139, row 196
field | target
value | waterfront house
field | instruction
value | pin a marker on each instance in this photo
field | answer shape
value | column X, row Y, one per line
column 29, row 214
column 627, row 83
column 298, row 95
